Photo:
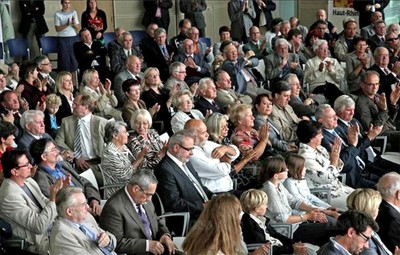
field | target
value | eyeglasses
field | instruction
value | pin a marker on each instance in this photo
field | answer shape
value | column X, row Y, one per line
column 366, row 238
column 391, row 39
column 145, row 193
column 186, row 149
column 55, row 149
column 45, row 64
column 26, row 165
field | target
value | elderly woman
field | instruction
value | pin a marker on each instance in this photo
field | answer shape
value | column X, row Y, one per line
column 368, row 201
column 263, row 109
column 323, row 73
column 183, row 106
column 131, row 89
column 154, row 95
column 357, row 63
column 118, row 163
column 145, row 139
column 281, row 204
column 218, row 128
column 106, row 100
column 323, row 168
column 64, row 89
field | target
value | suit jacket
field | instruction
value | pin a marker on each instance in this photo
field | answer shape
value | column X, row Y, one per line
column 256, row 49
column 118, row 80
column 203, row 105
column 193, row 76
column 120, row 218
column 274, row 136
column 32, row 10
column 235, row 72
column 47, row 124
column 272, row 70
column 154, row 58
column 330, row 249
column 171, row 82
column 375, row 246
column 66, row 134
column 389, row 225
column 85, row 56
column 286, row 126
column 118, row 57
column 300, row 108
column 374, row 42
column 45, row 180
column 26, row 141
column 129, row 108
column 150, row 13
column 27, row 220
column 228, row 98
column 240, row 21
column 364, row 16
column 367, row 112
column 267, row 10
column 177, row 192
column 69, row 239
column 367, row 31
column 195, row 15
column 64, row 110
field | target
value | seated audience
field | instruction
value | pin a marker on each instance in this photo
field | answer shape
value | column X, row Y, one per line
column 23, row 205
column 53, row 103
column 296, row 46
column 281, row 204
column 255, row 44
column 119, row 55
column 200, row 47
column 323, row 168
column 345, row 43
column 75, row 231
column 64, row 88
column 392, row 44
column 145, row 139
column 50, row 168
column 177, row 72
column 7, row 137
column 12, row 110
column 182, row 101
column 130, row 216
column 378, row 38
column 330, row 28
column 295, row 23
column 224, row 34
column 176, row 41
column 46, row 75
column 368, row 31
column 118, row 163
column 131, row 88
column 33, row 91
column 284, row 32
column 106, row 100
column 207, row 93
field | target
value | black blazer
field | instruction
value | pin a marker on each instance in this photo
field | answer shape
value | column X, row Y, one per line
column 154, row 58
column 253, row 233
column 203, row 105
column 389, row 225
column 32, row 10
column 150, row 13
column 176, row 191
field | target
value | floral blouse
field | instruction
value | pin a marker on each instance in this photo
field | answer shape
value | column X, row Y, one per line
column 244, row 141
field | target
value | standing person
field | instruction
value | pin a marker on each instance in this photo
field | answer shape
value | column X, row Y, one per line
column 157, row 12
column 367, row 8
column 66, row 24
column 95, row 20
column 264, row 10
column 193, row 10
column 241, row 14
column 33, row 25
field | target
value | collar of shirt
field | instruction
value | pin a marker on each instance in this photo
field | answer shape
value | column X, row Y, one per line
column 37, row 137
column 347, row 123
column 87, row 118
column 338, row 246
column 89, row 45
column 56, row 172
column 177, row 161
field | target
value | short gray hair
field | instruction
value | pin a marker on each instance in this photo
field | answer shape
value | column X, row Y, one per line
column 159, row 31
column 281, row 41
column 203, row 83
column 180, row 136
column 112, row 128
column 389, row 184
column 27, row 117
column 141, row 113
column 173, row 67
column 318, row 43
column 65, row 199
column 342, row 102
column 176, row 98
column 143, row 178
column 320, row 111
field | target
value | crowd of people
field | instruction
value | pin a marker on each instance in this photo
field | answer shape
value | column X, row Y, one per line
column 238, row 147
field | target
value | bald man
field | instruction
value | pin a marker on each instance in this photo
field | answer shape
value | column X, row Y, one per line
column 211, row 160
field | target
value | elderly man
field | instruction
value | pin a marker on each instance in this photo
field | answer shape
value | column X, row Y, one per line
column 180, row 187
column 281, row 63
column 83, row 134
column 389, row 210
column 354, row 229
column 323, row 73
column 226, row 96
column 176, row 41
column 50, row 169
column 196, row 66
column 200, row 47
column 258, row 46
column 46, row 74
column 206, row 103
column 130, row 215
column 345, row 43
column 120, row 54
column 11, row 111
column 392, row 43
column 23, row 205
column 373, row 109
column 369, row 31
column 113, row 45
column 379, row 37
column 211, row 160
column 282, row 113
column 90, row 54
column 177, row 72
column 132, row 69
column 75, row 231
column 32, row 122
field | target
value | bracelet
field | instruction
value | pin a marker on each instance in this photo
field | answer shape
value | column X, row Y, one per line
column 301, row 217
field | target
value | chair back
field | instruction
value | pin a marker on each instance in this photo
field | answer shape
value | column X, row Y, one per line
column 205, row 40
column 48, row 44
column 109, row 37
column 137, row 35
column 18, row 47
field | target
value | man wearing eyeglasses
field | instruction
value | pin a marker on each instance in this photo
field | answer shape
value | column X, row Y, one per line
column 23, row 205
column 130, row 215
column 354, row 230
column 180, row 187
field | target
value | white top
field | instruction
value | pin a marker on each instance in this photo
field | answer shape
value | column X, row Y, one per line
column 62, row 18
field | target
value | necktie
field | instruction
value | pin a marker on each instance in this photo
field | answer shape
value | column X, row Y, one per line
column 387, row 71
column 78, row 139
column 195, row 182
column 144, row 220
column 137, row 78
column 92, row 236
column 248, row 76
column 165, row 52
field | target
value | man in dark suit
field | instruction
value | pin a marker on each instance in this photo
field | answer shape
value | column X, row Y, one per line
column 180, row 187
column 130, row 215
column 90, row 54
column 196, row 66
column 159, row 54
column 206, row 103
column 366, row 8
column 241, row 15
column 389, row 210
column 369, row 31
column 379, row 37
column 45, row 73
column 354, row 229
column 156, row 11
column 12, row 111
column 45, row 154
column 193, row 10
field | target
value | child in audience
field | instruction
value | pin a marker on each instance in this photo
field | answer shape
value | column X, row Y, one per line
column 53, row 103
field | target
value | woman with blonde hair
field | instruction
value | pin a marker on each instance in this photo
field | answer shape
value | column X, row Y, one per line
column 64, row 88
column 216, row 233
column 368, row 201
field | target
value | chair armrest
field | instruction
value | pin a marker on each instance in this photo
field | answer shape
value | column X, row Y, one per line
column 288, row 227
column 323, row 190
column 186, row 219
